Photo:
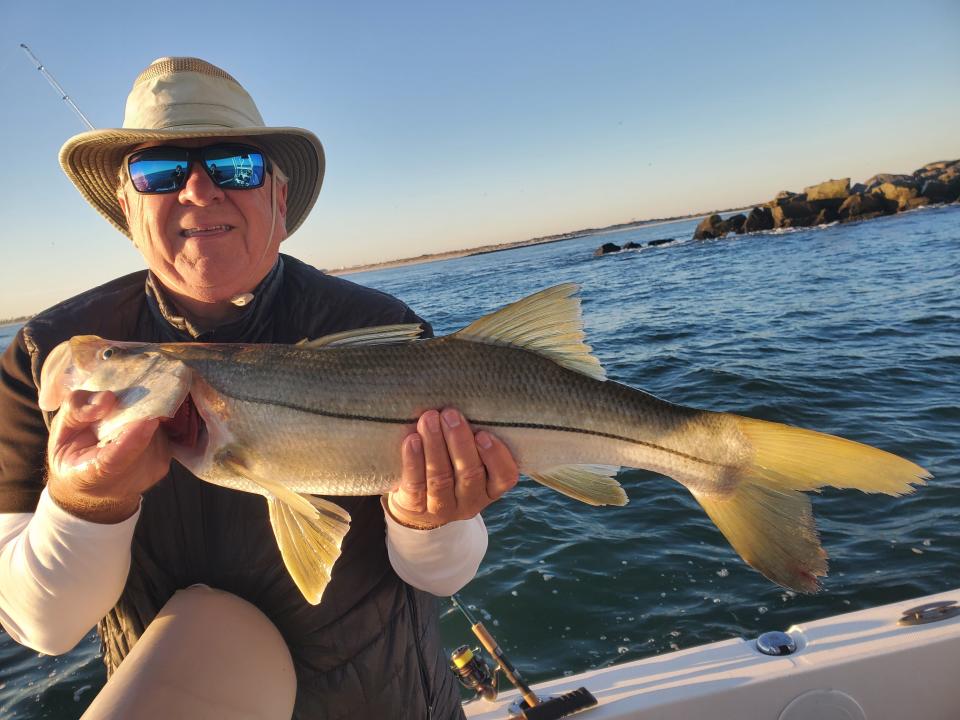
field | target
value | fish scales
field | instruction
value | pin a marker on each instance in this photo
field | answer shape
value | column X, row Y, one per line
column 549, row 415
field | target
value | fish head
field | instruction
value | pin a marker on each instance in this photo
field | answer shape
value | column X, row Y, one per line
column 148, row 381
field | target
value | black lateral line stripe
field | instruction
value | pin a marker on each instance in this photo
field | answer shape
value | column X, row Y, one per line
column 488, row 423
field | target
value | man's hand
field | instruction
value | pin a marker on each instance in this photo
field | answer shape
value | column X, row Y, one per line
column 102, row 484
column 448, row 472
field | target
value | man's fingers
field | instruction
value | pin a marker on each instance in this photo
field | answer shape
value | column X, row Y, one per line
column 502, row 473
column 83, row 408
column 440, row 494
column 412, row 493
column 471, row 477
column 116, row 457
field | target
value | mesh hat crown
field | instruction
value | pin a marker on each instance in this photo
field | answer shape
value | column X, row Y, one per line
column 176, row 98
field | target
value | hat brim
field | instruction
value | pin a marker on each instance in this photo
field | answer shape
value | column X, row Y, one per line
column 92, row 160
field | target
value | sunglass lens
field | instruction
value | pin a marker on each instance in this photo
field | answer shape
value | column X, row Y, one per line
column 158, row 171
column 234, row 167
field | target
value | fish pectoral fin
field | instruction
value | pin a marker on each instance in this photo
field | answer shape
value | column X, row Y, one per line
column 773, row 531
column 380, row 335
column 592, row 484
column 310, row 541
column 309, row 529
column 548, row 323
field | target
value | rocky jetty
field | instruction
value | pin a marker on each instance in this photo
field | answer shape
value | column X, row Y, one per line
column 836, row 200
column 609, row 247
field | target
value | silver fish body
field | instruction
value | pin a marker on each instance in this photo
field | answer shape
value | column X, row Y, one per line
column 331, row 422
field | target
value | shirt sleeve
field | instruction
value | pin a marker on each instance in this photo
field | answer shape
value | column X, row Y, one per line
column 439, row 561
column 23, row 433
column 59, row 575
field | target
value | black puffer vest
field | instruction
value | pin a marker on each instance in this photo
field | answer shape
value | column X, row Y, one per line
column 371, row 649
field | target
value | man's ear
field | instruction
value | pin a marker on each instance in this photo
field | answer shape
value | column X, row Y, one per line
column 122, row 201
column 282, row 200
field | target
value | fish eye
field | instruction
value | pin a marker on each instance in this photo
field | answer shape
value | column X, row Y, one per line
column 106, row 353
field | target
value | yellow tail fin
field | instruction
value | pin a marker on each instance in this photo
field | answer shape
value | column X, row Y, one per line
column 768, row 520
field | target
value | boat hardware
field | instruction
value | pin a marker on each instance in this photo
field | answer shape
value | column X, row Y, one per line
column 531, row 707
column 776, row 643
column 930, row 612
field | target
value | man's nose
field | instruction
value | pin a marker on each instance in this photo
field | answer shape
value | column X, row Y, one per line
column 199, row 188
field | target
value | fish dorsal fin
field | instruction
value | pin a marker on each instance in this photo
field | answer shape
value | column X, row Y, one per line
column 380, row 335
column 548, row 323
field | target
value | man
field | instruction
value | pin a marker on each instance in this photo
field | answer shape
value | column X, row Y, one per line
column 207, row 193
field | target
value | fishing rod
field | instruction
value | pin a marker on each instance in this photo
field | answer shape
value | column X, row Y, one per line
column 475, row 675
column 56, row 86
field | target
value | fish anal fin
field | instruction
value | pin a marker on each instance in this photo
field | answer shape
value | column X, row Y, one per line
column 773, row 530
column 379, row 335
column 591, row 484
column 309, row 530
column 548, row 323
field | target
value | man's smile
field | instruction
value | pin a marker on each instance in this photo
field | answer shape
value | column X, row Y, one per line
column 205, row 230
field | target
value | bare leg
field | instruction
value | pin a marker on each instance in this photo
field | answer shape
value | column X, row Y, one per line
column 208, row 654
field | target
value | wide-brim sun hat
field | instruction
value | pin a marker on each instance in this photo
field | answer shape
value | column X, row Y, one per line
column 176, row 98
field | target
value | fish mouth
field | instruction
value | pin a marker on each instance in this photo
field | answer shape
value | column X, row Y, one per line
column 186, row 429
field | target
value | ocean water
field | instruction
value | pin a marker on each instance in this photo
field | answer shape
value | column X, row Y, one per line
column 847, row 329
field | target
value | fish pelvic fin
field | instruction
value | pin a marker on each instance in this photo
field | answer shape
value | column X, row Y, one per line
column 548, row 323
column 773, row 531
column 310, row 541
column 763, row 511
column 591, row 484
column 309, row 530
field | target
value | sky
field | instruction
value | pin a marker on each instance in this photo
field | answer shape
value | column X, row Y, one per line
column 451, row 125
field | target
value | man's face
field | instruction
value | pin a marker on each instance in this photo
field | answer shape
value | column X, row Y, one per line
column 204, row 243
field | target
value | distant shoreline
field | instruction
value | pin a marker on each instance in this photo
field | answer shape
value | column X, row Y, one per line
column 484, row 249
column 501, row 247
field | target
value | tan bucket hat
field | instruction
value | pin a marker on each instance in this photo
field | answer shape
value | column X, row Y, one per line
column 185, row 97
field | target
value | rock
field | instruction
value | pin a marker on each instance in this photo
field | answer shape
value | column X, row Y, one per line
column 826, row 216
column 881, row 178
column 734, row 223
column 659, row 241
column 861, row 207
column 799, row 222
column 916, row 202
column 898, row 194
column 794, row 212
column 709, row 228
column 760, row 218
column 936, row 167
column 631, row 245
column 606, row 249
column 858, row 189
column 941, row 192
column 827, row 204
column 785, row 197
column 828, row 190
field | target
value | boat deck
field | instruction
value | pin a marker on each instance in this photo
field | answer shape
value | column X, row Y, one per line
column 860, row 665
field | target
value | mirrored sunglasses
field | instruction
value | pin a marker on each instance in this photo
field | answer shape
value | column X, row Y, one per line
column 165, row 169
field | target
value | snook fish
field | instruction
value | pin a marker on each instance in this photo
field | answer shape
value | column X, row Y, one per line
column 327, row 417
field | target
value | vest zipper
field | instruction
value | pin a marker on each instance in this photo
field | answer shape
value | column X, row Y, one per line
column 415, row 619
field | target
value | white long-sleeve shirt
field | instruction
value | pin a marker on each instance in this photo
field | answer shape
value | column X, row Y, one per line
column 59, row 575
